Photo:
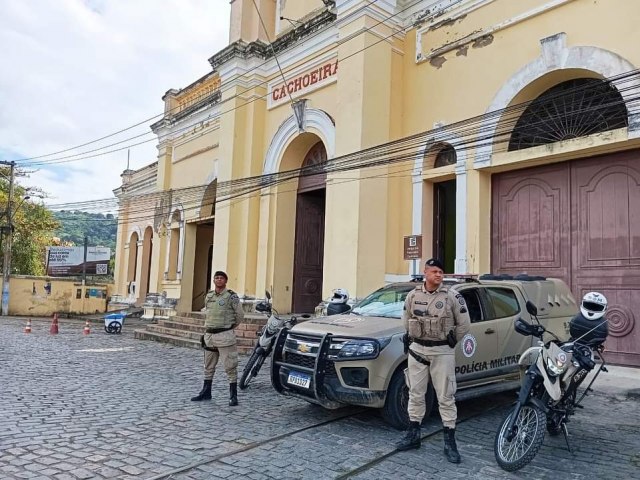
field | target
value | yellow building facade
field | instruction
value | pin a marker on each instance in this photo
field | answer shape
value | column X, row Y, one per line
column 501, row 134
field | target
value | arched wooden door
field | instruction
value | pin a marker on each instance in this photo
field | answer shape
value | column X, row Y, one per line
column 309, row 241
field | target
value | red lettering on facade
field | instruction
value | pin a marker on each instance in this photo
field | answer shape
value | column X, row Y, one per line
column 304, row 80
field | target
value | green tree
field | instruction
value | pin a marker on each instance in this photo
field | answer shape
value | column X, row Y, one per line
column 33, row 226
column 74, row 225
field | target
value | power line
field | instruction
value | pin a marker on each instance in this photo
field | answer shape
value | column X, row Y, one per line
column 83, row 156
column 221, row 90
column 472, row 132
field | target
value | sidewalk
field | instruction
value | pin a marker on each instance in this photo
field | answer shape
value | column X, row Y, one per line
column 618, row 381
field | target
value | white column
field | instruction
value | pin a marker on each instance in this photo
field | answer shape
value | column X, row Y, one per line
column 180, row 251
column 167, row 255
column 416, row 219
column 461, row 216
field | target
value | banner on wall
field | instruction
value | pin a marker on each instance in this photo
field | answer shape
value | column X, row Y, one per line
column 66, row 261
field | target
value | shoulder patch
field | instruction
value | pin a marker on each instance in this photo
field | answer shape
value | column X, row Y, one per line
column 231, row 291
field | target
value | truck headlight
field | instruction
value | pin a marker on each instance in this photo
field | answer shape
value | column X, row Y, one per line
column 362, row 348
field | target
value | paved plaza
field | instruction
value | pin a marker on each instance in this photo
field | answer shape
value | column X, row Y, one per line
column 76, row 406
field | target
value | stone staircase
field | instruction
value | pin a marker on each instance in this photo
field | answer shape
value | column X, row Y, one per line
column 185, row 330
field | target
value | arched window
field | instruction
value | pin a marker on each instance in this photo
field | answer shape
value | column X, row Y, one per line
column 446, row 156
column 571, row 109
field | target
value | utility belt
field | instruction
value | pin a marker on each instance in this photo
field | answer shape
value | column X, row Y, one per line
column 429, row 343
column 212, row 330
column 218, row 330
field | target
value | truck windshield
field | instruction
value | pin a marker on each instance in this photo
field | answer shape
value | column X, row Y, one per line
column 385, row 302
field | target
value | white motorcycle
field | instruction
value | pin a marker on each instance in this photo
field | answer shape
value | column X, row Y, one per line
column 267, row 335
column 548, row 392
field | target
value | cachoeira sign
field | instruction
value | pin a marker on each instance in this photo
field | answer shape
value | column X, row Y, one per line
column 63, row 261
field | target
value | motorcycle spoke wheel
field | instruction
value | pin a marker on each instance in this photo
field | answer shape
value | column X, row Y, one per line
column 247, row 374
column 530, row 428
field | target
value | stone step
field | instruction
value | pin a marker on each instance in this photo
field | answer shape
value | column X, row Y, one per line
column 171, row 339
column 186, row 320
column 171, row 323
column 186, row 329
column 244, row 345
column 174, row 332
column 253, row 318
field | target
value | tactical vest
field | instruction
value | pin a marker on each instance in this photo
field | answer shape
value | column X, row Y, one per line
column 430, row 315
column 220, row 312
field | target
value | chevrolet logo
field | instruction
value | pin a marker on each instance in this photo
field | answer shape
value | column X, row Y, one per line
column 304, row 348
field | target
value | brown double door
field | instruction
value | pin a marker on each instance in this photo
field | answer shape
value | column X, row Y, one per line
column 579, row 221
column 309, row 242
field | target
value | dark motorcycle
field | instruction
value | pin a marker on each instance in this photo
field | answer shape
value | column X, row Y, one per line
column 268, row 334
column 548, row 392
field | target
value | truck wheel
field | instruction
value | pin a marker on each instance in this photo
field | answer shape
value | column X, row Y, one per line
column 394, row 411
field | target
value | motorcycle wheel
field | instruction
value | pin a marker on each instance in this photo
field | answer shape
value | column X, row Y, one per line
column 248, row 372
column 530, row 429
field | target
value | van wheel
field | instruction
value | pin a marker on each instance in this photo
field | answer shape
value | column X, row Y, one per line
column 394, row 411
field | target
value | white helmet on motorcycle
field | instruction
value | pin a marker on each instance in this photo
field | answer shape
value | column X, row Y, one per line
column 593, row 306
column 340, row 295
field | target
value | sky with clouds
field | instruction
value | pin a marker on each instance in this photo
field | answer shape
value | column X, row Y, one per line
column 77, row 70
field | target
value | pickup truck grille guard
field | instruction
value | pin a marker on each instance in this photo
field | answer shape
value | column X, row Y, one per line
column 317, row 373
column 324, row 368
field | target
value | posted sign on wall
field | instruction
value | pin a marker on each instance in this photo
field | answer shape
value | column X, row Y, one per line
column 413, row 247
column 64, row 261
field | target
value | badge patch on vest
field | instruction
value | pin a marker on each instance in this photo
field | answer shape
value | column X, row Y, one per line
column 221, row 302
column 439, row 304
column 469, row 345
column 461, row 300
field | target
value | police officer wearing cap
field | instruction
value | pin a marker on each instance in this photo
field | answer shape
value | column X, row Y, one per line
column 435, row 318
column 223, row 314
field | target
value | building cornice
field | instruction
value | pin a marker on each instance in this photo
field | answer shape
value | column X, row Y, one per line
column 204, row 104
column 261, row 50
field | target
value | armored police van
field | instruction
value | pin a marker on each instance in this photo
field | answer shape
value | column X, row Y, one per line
column 358, row 358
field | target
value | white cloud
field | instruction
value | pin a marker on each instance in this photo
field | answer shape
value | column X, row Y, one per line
column 75, row 70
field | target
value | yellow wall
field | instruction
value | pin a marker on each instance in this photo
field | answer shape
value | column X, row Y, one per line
column 28, row 296
column 385, row 90
column 460, row 83
column 297, row 9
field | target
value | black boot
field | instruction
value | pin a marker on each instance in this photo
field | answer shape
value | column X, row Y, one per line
column 233, row 394
column 411, row 439
column 450, row 447
column 205, row 393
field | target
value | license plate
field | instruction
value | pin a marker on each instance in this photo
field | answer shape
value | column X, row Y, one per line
column 299, row 379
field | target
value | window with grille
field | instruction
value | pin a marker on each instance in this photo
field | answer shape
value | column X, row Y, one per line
column 571, row 109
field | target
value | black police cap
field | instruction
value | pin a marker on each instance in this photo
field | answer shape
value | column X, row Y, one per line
column 220, row 273
column 434, row 262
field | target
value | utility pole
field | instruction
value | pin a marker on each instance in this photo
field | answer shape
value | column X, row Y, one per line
column 6, row 266
column 84, row 262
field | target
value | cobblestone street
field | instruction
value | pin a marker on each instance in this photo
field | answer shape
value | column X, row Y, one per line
column 108, row 406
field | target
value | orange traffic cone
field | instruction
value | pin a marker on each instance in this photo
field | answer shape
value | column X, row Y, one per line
column 87, row 328
column 54, row 325
column 27, row 329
